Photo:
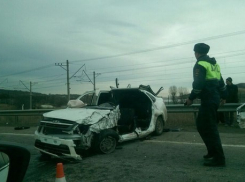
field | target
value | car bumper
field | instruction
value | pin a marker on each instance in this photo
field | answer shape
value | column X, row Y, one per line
column 61, row 148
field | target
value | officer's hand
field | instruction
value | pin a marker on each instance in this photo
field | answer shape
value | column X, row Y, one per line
column 222, row 102
column 188, row 102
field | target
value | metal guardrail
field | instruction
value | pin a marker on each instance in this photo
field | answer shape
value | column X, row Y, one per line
column 180, row 108
column 33, row 112
column 174, row 108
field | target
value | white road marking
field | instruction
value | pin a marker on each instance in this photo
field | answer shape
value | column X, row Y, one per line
column 149, row 141
column 17, row 134
column 188, row 143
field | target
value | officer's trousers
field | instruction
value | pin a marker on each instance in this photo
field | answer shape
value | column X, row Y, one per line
column 207, row 127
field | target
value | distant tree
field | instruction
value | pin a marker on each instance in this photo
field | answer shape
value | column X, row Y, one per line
column 173, row 94
column 4, row 98
column 183, row 91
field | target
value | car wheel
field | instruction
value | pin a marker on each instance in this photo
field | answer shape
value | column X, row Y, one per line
column 108, row 144
column 159, row 126
column 106, row 141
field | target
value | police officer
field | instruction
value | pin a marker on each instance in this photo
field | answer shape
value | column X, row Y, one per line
column 209, row 86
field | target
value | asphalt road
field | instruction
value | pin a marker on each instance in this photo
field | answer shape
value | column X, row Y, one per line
column 173, row 156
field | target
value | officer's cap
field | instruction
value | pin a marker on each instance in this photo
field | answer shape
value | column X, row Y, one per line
column 229, row 79
column 201, row 48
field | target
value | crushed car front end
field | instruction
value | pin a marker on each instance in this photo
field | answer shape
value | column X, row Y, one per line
column 67, row 136
column 59, row 138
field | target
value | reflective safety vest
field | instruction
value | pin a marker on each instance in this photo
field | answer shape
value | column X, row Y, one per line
column 212, row 71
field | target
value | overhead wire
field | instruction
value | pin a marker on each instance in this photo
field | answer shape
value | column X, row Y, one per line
column 151, row 80
column 110, row 77
column 137, row 52
column 174, row 63
column 26, row 71
column 157, row 71
column 157, row 66
column 165, row 47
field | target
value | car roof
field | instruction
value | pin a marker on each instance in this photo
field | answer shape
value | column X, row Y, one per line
column 141, row 87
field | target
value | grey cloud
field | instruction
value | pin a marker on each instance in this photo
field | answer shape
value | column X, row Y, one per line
column 38, row 33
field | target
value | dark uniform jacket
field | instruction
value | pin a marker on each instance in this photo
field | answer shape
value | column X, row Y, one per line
column 232, row 94
column 208, row 84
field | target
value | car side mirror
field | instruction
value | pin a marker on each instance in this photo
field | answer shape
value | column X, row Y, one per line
column 4, row 166
column 14, row 161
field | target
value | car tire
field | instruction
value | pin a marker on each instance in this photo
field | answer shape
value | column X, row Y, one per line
column 159, row 126
column 106, row 141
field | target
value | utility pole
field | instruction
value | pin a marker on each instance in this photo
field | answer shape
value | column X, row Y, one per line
column 94, row 79
column 117, row 84
column 67, row 77
column 94, row 76
column 30, row 96
column 68, row 80
column 30, row 90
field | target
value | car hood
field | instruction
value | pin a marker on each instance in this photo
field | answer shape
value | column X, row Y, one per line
column 79, row 115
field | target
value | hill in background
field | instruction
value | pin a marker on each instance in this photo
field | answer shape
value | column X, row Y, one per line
column 241, row 92
column 241, row 85
column 15, row 99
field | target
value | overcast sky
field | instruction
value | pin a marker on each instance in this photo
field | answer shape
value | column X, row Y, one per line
column 139, row 42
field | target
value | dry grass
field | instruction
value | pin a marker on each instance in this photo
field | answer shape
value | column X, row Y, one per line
column 186, row 122
column 180, row 119
column 7, row 107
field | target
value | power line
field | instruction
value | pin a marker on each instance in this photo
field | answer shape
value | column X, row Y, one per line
column 152, row 80
column 142, row 51
column 178, row 73
column 168, row 69
column 165, row 65
column 26, row 71
column 172, row 64
column 165, row 74
column 51, row 76
column 138, row 52
column 165, row 47
column 173, row 60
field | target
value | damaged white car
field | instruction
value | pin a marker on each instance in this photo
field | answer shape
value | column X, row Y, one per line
column 100, row 122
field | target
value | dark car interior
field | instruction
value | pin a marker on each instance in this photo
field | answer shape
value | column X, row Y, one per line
column 135, row 108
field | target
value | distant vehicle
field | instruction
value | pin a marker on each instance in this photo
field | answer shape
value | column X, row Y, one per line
column 100, row 122
column 47, row 107
column 241, row 116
